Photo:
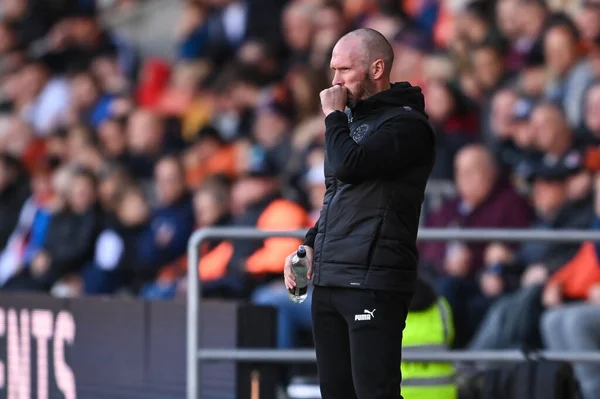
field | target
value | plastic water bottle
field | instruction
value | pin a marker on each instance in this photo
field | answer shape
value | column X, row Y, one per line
column 299, row 268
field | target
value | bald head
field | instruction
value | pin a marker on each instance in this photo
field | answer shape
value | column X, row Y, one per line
column 476, row 154
column 372, row 46
column 475, row 171
column 362, row 61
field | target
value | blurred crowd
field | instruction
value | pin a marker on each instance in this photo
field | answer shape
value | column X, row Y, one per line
column 109, row 161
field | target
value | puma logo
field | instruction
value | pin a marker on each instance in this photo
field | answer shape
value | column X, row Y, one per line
column 367, row 315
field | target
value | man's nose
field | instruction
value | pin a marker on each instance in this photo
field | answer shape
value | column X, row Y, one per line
column 337, row 80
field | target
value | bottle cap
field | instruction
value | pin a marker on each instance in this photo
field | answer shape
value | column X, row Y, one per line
column 301, row 252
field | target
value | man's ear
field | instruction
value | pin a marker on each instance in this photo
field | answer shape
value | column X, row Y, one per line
column 377, row 69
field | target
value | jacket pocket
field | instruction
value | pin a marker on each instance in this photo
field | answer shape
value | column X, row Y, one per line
column 373, row 245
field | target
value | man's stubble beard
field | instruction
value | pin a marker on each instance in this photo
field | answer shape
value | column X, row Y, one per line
column 365, row 89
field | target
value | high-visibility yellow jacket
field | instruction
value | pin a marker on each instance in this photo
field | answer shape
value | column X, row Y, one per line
column 430, row 329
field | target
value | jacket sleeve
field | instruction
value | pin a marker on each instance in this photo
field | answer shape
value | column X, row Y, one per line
column 398, row 143
column 309, row 239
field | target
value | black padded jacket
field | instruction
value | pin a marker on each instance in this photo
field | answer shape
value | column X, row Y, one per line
column 378, row 158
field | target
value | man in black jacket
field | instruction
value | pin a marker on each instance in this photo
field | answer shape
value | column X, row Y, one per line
column 379, row 154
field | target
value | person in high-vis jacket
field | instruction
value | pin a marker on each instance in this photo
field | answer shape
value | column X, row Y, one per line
column 428, row 327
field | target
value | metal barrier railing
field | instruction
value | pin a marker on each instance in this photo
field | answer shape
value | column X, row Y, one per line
column 194, row 355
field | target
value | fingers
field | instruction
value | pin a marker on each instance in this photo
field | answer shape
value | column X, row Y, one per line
column 288, row 275
column 289, row 284
column 290, row 281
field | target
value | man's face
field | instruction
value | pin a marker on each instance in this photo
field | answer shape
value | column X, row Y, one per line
column 33, row 79
column 170, row 183
column 82, row 194
column 474, row 176
column 144, row 133
column 351, row 70
column 441, row 107
column 84, row 90
column 502, row 113
column 548, row 196
column 533, row 80
column 14, row 10
column 269, row 128
column 133, row 209
column 488, row 67
column 112, row 138
column 560, row 50
column 207, row 209
column 588, row 22
column 507, row 13
column 548, row 126
column 297, row 30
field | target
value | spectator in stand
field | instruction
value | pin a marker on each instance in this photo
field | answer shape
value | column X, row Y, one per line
column 587, row 20
column 181, row 91
column 590, row 131
column 146, row 143
column 19, row 141
column 235, row 21
column 111, row 179
column 490, row 75
column 69, row 238
column 486, row 200
column 112, row 139
column 410, row 49
column 501, row 122
column 531, row 80
column 78, row 37
column 329, row 24
column 193, row 31
column 212, row 208
column 512, row 321
column 294, row 318
column 273, row 120
column 530, row 17
column 553, row 137
column 298, row 31
column 14, row 191
column 208, row 155
column 257, row 202
column 49, row 97
column 514, row 137
column 570, row 72
column 171, row 222
column 117, row 260
column 572, row 300
column 88, row 105
column 455, row 121
column 28, row 18
column 29, row 234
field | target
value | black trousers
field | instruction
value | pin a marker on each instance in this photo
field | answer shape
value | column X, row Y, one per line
column 358, row 340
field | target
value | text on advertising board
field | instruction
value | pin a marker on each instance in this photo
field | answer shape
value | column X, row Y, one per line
column 45, row 331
